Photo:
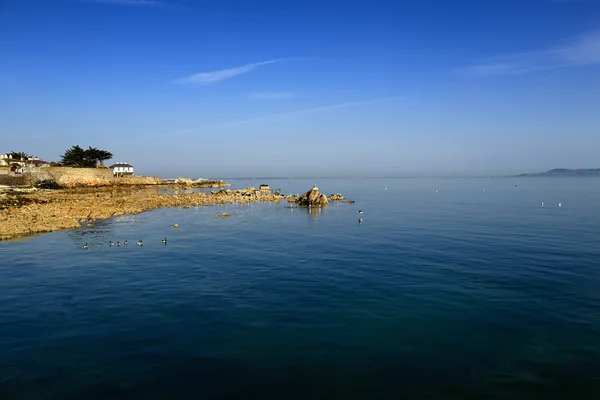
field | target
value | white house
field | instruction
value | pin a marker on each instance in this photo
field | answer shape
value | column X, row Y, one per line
column 6, row 160
column 122, row 168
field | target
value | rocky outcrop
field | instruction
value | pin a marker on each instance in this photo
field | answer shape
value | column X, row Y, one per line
column 38, row 211
column 79, row 177
column 313, row 198
column 185, row 182
column 137, row 180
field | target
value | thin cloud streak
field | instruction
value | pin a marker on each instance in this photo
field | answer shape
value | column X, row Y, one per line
column 139, row 3
column 207, row 78
column 583, row 51
column 274, row 117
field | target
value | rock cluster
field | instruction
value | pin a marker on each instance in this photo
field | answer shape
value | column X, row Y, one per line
column 313, row 198
column 336, row 197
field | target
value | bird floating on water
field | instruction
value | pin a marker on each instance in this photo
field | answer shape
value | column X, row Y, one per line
column 111, row 243
column 85, row 246
column 360, row 220
column 542, row 204
column 118, row 243
column 125, row 242
column 559, row 204
column 360, row 211
column 163, row 240
column 139, row 242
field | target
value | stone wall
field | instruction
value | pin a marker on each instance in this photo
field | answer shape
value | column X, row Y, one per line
column 40, row 174
column 16, row 180
column 72, row 177
column 137, row 180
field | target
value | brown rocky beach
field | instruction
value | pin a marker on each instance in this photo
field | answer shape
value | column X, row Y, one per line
column 27, row 211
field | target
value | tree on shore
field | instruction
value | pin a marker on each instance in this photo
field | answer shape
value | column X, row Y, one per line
column 19, row 155
column 75, row 157
column 98, row 155
column 80, row 158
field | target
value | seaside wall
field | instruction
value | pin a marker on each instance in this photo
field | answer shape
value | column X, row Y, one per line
column 72, row 177
column 137, row 180
column 16, row 180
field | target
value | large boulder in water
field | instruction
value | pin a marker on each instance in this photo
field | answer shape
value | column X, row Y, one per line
column 322, row 200
column 313, row 198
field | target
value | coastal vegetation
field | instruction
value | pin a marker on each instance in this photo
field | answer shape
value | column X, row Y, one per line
column 19, row 155
column 77, row 157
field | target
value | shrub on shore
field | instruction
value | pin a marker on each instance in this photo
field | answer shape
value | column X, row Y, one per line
column 47, row 184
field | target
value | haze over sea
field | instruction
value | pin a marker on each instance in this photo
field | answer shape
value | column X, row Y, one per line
column 459, row 293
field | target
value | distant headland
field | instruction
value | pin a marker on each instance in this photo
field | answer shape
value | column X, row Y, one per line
column 564, row 172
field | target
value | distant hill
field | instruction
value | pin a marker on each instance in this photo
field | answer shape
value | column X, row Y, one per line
column 567, row 172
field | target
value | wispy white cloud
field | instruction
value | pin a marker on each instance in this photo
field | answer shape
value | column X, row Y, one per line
column 270, row 95
column 207, row 78
column 273, row 117
column 584, row 50
column 144, row 3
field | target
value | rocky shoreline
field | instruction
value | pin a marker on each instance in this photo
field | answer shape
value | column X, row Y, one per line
column 33, row 211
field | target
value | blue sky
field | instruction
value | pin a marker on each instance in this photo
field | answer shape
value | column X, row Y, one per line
column 302, row 88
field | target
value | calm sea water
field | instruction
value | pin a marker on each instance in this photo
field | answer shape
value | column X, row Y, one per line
column 473, row 291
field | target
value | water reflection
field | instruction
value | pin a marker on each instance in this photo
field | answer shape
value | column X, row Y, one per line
column 14, row 238
column 93, row 233
column 316, row 212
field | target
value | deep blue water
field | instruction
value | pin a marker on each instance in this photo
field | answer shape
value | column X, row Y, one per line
column 463, row 293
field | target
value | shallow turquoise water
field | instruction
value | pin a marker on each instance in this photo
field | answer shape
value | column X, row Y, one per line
column 459, row 293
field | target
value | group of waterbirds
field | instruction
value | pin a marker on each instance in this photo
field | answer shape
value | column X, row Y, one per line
column 559, row 204
column 125, row 243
